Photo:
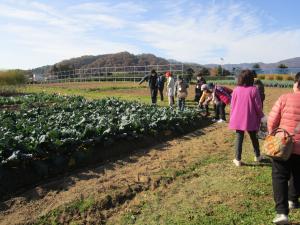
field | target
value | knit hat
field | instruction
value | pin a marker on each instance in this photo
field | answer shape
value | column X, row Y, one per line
column 210, row 86
column 204, row 87
column 168, row 74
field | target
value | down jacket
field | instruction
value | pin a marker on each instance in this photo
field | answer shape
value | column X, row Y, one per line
column 286, row 114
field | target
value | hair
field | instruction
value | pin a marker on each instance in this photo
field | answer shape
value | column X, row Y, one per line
column 254, row 73
column 297, row 80
column 153, row 71
column 245, row 78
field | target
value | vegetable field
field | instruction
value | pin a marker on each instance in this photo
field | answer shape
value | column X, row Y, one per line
column 189, row 179
column 53, row 132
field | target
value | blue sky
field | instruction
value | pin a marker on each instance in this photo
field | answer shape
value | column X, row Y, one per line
column 36, row 33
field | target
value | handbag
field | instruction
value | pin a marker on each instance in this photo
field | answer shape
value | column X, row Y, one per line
column 278, row 147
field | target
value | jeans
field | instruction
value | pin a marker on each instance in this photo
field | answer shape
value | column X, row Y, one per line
column 220, row 111
column 171, row 101
column 161, row 92
column 239, row 143
column 181, row 103
column 153, row 92
column 286, row 182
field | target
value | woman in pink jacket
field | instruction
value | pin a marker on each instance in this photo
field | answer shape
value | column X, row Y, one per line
column 245, row 114
column 286, row 114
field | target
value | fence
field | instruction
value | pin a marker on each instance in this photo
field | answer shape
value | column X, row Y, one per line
column 116, row 73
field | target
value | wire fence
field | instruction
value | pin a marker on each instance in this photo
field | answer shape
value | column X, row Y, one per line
column 130, row 73
column 115, row 73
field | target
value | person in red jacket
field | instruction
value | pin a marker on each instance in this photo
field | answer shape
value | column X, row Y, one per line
column 286, row 174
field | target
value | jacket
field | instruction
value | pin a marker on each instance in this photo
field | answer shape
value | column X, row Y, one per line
column 206, row 97
column 170, row 86
column 181, row 87
column 246, row 109
column 152, row 81
column 286, row 114
column 222, row 94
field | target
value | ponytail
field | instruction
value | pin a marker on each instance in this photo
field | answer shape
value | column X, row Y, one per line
column 297, row 80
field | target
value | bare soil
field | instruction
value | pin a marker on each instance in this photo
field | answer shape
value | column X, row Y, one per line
column 115, row 184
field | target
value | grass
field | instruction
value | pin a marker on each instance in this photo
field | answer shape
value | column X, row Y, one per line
column 207, row 190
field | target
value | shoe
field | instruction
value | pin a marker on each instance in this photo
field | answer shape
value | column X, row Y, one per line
column 281, row 219
column 258, row 159
column 237, row 162
column 220, row 121
column 294, row 205
column 214, row 120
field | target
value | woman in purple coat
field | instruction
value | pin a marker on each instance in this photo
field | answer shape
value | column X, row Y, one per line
column 245, row 114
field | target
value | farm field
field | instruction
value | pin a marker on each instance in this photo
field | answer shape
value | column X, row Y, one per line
column 95, row 90
column 186, row 180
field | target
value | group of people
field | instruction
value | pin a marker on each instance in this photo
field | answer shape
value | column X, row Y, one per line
column 246, row 113
column 175, row 88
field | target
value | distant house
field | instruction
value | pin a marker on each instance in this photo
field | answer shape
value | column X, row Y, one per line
column 37, row 77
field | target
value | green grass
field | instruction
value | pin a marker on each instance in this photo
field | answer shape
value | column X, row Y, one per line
column 211, row 191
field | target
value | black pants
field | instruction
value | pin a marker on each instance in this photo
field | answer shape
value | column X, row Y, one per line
column 198, row 94
column 283, row 190
column 220, row 111
column 161, row 92
column 239, row 143
column 153, row 92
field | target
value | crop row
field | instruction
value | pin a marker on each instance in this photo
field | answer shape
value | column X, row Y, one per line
column 267, row 83
column 39, row 131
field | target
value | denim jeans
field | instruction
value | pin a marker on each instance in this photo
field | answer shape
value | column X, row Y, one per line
column 220, row 111
column 181, row 103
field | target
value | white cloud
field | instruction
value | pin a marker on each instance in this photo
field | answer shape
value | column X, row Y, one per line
column 232, row 31
column 48, row 34
column 184, row 30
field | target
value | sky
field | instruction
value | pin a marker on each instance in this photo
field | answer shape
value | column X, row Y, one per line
column 36, row 33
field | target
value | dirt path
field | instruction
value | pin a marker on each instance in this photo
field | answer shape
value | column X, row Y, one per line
column 142, row 167
column 146, row 168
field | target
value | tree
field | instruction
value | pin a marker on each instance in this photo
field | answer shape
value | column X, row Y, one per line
column 222, row 71
column 190, row 72
column 256, row 66
column 204, row 72
column 282, row 66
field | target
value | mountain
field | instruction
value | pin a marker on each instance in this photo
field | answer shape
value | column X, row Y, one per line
column 107, row 60
column 128, row 59
column 291, row 63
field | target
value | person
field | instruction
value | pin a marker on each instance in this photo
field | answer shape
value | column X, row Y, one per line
column 245, row 114
column 181, row 87
column 170, row 88
column 206, row 98
column 153, row 85
column 161, row 84
column 286, row 114
column 221, row 98
column 198, row 92
column 260, row 86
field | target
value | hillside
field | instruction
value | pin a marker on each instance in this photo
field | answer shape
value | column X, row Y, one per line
column 128, row 59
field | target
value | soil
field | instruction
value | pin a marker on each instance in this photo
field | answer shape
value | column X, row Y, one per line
column 115, row 183
column 139, row 169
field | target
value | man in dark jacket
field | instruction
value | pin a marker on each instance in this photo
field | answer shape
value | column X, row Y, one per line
column 153, row 85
